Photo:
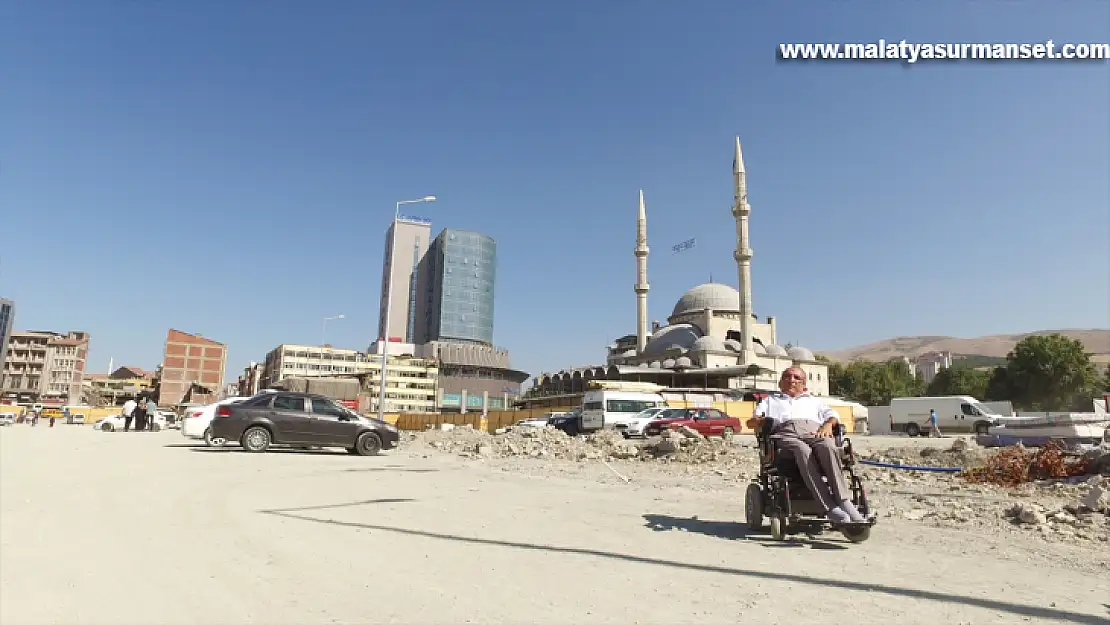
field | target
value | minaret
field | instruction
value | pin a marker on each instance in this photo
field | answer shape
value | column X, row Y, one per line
column 641, row 287
column 743, row 254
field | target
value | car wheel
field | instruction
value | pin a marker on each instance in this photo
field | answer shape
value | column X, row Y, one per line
column 982, row 429
column 728, row 433
column 368, row 444
column 753, row 507
column 106, row 427
column 912, row 429
column 256, row 439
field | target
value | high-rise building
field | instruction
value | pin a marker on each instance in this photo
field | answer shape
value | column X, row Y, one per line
column 456, row 288
column 399, row 276
column 45, row 367
column 7, row 318
column 193, row 367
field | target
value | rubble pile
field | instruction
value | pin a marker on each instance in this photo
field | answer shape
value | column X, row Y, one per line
column 683, row 445
column 961, row 454
column 1016, row 465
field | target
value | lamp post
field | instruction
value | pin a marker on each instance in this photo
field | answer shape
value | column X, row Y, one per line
column 389, row 299
column 324, row 333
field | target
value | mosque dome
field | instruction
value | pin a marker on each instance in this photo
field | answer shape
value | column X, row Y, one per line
column 711, row 295
column 681, row 335
column 655, row 364
column 684, row 362
column 733, row 345
column 630, row 352
column 759, row 349
column 709, row 344
column 669, row 363
column 800, row 353
column 777, row 351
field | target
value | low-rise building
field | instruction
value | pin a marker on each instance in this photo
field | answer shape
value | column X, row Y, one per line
column 411, row 383
column 115, row 388
column 192, row 369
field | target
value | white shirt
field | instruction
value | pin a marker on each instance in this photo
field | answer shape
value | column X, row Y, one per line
column 129, row 407
column 780, row 408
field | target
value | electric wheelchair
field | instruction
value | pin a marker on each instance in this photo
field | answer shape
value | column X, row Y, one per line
column 780, row 494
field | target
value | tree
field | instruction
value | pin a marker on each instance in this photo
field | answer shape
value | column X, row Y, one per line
column 873, row 383
column 998, row 385
column 1050, row 372
column 960, row 381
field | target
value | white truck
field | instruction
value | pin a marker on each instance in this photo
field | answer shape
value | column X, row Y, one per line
column 607, row 408
column 959, row 413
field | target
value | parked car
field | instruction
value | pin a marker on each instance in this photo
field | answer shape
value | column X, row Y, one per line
column 300, row 419
column 195, row 424
column 115, row 422
column 7, row 418
column 706, row 421
column 540, row 421
column 635, row 426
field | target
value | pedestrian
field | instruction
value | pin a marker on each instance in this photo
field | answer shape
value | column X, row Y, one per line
column 34, row 418
column 141, row 416
column 53, row 415
column 933, row 424
column 151, row 413
column 128, row 413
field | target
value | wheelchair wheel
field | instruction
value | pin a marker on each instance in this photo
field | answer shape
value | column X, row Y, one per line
column 778, row 527
column 857, row 534
column 753, row 507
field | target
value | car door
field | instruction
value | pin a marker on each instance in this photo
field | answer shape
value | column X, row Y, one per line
column 331, row 426
column 291, row 420
column 702, row 422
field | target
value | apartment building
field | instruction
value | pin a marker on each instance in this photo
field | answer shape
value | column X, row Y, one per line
column 411, row 385
column 251, row 380
column 192, row 367
column 399, row 270
column 44, row 367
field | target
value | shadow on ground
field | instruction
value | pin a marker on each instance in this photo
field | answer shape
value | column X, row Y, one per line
column 821, row 583
column 730, row 530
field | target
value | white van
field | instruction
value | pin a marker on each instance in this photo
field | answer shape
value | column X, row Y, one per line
column 959, row 413
column 606, row 408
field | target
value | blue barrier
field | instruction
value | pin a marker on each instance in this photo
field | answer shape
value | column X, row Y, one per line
column 887, row 465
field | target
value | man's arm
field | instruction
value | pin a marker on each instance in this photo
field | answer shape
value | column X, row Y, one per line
column 829, row 419
column 757, row 416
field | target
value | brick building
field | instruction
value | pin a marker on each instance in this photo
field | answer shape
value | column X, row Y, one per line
column 192, row 366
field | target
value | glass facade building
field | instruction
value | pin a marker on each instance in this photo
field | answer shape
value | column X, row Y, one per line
column 457, row 277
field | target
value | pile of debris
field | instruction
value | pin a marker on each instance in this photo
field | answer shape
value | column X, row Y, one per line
column 1017, row 465
column 534, row 442
column 683, row 445
column 961, row 454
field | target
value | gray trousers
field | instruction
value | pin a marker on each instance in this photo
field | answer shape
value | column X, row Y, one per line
column 815, row 456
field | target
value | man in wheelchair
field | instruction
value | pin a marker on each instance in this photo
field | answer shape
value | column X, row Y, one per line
column 801, row 474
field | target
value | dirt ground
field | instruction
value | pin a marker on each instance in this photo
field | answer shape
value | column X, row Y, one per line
column 148, row 528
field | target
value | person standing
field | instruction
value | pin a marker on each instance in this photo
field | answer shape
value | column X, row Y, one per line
column 151, row 413
column 128, row 413
column 935, row 429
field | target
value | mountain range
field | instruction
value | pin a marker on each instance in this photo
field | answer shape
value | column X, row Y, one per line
column 994, row 346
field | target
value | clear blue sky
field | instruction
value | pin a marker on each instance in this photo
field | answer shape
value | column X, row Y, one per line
column 944, row 198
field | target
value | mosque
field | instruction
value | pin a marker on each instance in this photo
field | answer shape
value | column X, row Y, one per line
column 712, row 341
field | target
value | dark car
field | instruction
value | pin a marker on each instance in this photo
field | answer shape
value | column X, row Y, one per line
column 301, row 419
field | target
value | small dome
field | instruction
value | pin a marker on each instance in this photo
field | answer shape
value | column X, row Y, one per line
column 734, row 345
column 709, row 344
column 759, row 349
column 684, row 362
column 712, row 295
column 669, row 363
column 655, row 364
column 776, row 351
column 628, row 353
column 800, row 353
column 681, row 335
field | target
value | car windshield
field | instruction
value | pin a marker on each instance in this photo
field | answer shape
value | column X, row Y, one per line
column 647, row 414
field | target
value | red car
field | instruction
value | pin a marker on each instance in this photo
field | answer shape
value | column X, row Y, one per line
column 706, row 421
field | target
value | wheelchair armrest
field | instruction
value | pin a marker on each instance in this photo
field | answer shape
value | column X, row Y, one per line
column 838, row 434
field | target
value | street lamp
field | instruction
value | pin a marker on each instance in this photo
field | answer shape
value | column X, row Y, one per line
column 324, row 334
column 389, row 299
